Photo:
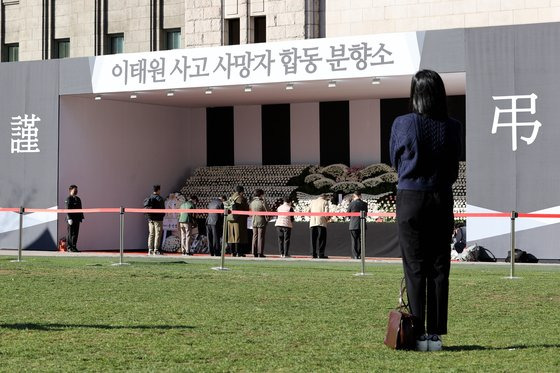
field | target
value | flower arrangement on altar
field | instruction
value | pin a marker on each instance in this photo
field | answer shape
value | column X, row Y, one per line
column 376, row 203
column 377, row 183
column 339, row 178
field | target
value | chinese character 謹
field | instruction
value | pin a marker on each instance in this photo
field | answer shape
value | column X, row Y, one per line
column 25, row 134
column 513, row 111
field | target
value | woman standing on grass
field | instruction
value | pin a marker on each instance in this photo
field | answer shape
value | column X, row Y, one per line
column 237, row 224
column 425, row 147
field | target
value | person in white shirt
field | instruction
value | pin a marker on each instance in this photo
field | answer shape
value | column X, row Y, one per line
column 284, row 228
column 318, row 226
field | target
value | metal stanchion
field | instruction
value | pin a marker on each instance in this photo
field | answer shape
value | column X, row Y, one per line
column 362, row 243
column 512, row 253
column 121, row 239
column 224, row 242
column 20, row 244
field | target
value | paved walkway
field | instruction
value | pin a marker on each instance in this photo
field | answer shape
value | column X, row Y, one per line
column 137, row 255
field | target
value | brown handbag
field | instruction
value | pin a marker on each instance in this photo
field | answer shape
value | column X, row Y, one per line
column 400, row 328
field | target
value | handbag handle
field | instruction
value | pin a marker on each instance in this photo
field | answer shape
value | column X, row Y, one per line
column 402, row 292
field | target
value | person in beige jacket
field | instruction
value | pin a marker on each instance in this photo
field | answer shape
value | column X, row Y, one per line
column 318, row 226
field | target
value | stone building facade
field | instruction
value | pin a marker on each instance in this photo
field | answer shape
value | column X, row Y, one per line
column 38, row 27
column 44, row 29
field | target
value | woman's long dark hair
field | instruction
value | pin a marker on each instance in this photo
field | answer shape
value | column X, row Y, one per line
column 427, row 95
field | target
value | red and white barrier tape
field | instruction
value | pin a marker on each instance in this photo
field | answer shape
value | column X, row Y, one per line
column 116, row 210
column 73, row 211
column 8, row 209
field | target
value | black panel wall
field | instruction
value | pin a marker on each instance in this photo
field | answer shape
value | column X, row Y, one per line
column 392, row 108
column 276, row 134
column 219, row 136
column 334, row 132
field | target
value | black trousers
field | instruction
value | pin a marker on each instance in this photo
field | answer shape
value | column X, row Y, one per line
column 425, row 225
column 214, row 235
column 284, row 234
column 73, row 232
column 356, row 243
column 318, row 240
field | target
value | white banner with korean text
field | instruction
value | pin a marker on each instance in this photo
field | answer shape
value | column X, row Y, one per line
column 288, row 61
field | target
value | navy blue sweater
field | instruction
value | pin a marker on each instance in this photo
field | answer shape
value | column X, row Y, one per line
column 425, row 152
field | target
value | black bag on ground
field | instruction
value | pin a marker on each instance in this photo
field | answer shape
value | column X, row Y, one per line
column 521, row 256
column 482, row 254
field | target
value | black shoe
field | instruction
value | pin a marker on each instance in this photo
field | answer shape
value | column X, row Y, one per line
column 241, row 255
column 262, row 256
column 323, row 257
column 315, row 257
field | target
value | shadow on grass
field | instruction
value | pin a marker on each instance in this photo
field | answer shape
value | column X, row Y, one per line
column 486, row 348
column 57, row 327
column 306, row 266
column 158, row 262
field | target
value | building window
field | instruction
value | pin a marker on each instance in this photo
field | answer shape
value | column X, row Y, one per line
column 61, row 48
column 115, row 43
column 173, row 39
column 232, row 31
column 11, row 52
column 259, row 29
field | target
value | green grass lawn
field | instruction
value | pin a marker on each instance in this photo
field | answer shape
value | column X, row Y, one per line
column 165, row 314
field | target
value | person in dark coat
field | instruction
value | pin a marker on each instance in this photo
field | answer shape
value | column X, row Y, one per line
column 155, row 220
column 357, row 205
column 214, row 226
column 237, row 224
column 73, row 219
column 425, row 148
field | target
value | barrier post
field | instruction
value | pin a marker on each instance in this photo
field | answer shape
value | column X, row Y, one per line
column 121, row 239
column 224, row 243
column 512, row 253
column 362, row 243
column 20, row 242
